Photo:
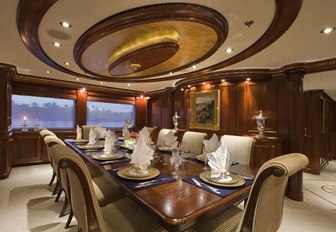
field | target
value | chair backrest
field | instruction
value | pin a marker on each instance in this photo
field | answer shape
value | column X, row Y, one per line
column 160, row 139
column 194, row 141
column 84, row 202
column 86, row 130
column 240, row 148
column 46, row 132
column 49, row 141
column 263, row 211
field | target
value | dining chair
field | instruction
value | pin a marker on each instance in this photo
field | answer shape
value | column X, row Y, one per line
column 86, row 130
column 239, row 148
column 160, row 139
column 105, row 190
column 121, row 215
column 43, row 133
column 264, row 208
column 194, row 141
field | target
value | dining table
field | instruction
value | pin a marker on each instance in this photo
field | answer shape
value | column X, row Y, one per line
column 177, row 200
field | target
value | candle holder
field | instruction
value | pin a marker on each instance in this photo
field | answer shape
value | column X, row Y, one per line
column 24, row 124
column 260, row 120
column 175, row 120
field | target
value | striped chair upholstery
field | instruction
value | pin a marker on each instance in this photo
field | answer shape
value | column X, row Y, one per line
column 263, row 211
column 194, row 141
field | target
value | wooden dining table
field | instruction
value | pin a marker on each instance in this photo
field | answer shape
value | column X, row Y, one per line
column 176, row 205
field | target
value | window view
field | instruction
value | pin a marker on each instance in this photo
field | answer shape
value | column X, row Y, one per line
column 110, row 115
column 42, row 111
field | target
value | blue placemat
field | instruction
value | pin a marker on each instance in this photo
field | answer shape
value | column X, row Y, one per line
column 143, row 184
column 222, row 191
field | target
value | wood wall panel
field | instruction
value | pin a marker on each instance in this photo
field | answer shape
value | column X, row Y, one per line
column 229, row 109
column 141, row 112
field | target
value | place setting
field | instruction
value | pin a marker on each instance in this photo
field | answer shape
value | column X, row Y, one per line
column 218, row 179
column 170, row 142
column 140, row 174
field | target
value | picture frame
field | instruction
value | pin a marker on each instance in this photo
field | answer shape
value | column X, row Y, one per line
column 205, row 110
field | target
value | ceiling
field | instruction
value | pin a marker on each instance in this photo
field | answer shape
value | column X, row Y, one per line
column 143, row 46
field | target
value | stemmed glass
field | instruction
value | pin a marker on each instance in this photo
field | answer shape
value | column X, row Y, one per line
column 205, row 158
column 176, row 160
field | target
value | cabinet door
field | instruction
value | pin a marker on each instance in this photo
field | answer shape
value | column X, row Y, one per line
column 264, row 150
column 27, row 148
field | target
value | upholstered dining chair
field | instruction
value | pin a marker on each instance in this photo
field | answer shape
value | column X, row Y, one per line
column 263, row 211
column 45, row 132
column 160, row 139
column 121, row 215
column 240, row 148
column 86, row 130
column 106, row 191
column 194, row 141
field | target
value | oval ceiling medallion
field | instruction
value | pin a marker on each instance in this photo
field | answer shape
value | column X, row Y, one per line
column 150, row 41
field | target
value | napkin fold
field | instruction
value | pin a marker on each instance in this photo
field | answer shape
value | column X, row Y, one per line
column 212, row 144
column 79, row 133
column 92, row 136
column 170, row 140
column 101, row 131
column 145, row 135
column 110, row 140
column 142, row 154
column 219, row 161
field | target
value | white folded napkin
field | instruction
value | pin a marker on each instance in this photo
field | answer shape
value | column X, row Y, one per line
column 101, row 132
column 92, row 136
column 142, row 155
column 79, row 133
column 125, row 133
column 145, row 135
column 211, row 145
column 109, row 141
column 219, row 161
column 170, row 140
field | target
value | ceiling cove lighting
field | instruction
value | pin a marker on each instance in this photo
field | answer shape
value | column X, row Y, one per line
column 65, row 24
column 327, row 30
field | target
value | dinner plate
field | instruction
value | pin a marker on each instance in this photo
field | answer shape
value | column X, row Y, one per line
column 126, row 147
column 165, row 148
column 236, row 180
column 112, row 156
column 91, row 147
column 131, row 174
column 80, row 141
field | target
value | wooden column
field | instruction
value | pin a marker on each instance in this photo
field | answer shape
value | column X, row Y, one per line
column 81, row 107
column 6, row 74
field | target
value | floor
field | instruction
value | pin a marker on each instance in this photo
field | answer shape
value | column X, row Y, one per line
column 26, row 203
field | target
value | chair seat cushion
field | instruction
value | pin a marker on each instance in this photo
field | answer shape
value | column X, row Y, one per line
column 126, row 215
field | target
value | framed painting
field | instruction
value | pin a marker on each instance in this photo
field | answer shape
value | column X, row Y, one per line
column 204, row 110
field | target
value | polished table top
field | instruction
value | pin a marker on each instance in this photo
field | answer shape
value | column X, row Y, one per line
column 177, row 204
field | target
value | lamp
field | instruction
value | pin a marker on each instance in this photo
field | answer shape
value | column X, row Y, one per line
column 260, row 120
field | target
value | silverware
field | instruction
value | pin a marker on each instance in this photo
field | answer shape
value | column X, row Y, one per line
column 215, row 190
column 149, row 182
column 245, row 177
column 114, row 161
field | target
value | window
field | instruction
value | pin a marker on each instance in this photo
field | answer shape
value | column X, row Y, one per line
column 42, row 111
column 110, row 115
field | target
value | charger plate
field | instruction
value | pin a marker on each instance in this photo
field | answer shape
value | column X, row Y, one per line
column 112, row 156
column 127, row 173
column 90, row 147
column 200, row 157
column 80, row 141
column 165, row 148
column 236, row 181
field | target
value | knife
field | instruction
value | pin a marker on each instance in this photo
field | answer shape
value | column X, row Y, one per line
column 114, row 161
column 205, row 185
column 150, row 182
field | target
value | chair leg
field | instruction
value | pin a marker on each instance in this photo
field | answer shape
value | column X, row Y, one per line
column 52, row 178
column 65, row 206
column 59, row 192
column 67, row 224
column 56, row 187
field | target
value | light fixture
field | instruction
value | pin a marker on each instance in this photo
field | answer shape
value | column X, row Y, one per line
column 189, row 86
column 171, row 73
column 194, row 66
column 182, row 89
column 249, row 23
column 135, row 67
column 67, row 63
column 228, row 50
column 82, row 90
column 47, row 71
column 101, row 83
column 248, row 79
column 223, row 80
column 128, row 84
column 77, row 79
column 57, row 44
column 65, row 24
column 327, row 30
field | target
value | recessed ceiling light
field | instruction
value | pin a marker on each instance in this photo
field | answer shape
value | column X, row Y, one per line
column 77, row 79
column 101, row 83
column 57, row 44
column 67, row 63
column 327, row 30
column 128, row 84
column 194, row 66
column 248, row 79
column 171, row 73
column 47, row 71
column 182, row 89
column 223, row 80
column 65, row 24
column 229, row 50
